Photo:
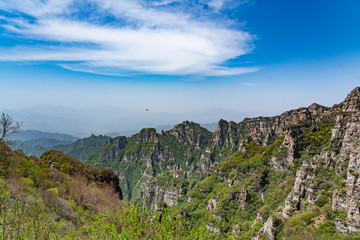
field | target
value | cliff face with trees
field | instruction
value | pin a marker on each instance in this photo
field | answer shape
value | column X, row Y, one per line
column 267, row 177
column 292, row 176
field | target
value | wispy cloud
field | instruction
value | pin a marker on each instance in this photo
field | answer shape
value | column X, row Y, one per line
column 216, row 4
column 123, row 36
column 252, row 84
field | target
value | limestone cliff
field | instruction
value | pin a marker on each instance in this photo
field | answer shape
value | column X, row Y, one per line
column 311, row 153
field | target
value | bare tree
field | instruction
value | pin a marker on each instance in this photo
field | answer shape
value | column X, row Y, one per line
column 8, row 126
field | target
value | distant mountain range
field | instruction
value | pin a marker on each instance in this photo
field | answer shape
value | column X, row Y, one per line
column 28, row 135
column 101, row 121
column 34, row 142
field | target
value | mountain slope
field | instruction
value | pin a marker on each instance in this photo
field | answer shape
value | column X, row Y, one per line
column 80, row 149
column 148, row 154
column 286, row 176
column 35, row 147
column 34, row 143
column 83, row 148
column 51, row 197
column 58, row 197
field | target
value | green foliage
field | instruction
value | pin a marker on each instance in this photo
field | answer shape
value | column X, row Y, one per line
column 301, row 219
column 19, row 220
column 321, row 200
column 313, row 137
column 131, row 222
column 251, row 172
column 82, row 149
column 167, row 180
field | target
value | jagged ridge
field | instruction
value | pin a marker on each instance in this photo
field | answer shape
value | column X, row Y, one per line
column 314, row 145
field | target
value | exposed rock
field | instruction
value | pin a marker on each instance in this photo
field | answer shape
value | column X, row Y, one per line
column 353, row 193
column 151, row 194
column 212, row 204
column 240, row 197
column 352, row 101
column 212, row 228
column 192, row 134
column 338, row 201
column 190, row 152
column 258, row 218
column 302, row 191
column 267, row 229
column 340, row 227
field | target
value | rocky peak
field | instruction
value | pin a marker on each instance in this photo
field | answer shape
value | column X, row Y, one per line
column 220, row 133
column 114, row 149
column 147, row 135
column 120, row 142
column 185, row 125
column 352, row 101
column 191, row 133
column 316, row 109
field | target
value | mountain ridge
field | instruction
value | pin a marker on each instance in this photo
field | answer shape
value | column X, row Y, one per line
column 174, row 166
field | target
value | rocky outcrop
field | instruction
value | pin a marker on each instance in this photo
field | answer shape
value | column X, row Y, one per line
column 151, row 194
column 240, row 197
column 343, row 156
column 189, row 152
column 353, row 193
column 212, row 204
column 192, row 134
column 195, row 149
column 267, row 229
column 301, row 192
column 352, row 101
column 115, row 152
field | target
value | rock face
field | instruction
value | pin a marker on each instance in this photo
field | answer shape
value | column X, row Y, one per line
column 343, row 156
column 316, row 140
column 213, row 202
column 267, row 229
column 180, row 152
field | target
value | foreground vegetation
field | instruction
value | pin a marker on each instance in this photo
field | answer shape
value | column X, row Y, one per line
column 58, row 197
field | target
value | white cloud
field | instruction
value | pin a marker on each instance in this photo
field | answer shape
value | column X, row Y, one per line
column 141, row 39
column 216, row 4
column 37, row 8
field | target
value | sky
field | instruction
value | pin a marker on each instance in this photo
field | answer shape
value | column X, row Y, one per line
column 183, row 60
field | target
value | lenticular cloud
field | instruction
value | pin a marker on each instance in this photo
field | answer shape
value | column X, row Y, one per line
column 123, row 37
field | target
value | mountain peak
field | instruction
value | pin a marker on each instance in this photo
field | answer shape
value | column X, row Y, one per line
column 185, row 125
column 352, row 101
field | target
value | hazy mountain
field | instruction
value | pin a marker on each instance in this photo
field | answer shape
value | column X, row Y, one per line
column 86, row 121
column 83, row 148
column 26, row 135
column 35, row 147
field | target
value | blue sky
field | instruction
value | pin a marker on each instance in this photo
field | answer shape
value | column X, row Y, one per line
column 256, row 57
